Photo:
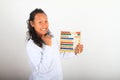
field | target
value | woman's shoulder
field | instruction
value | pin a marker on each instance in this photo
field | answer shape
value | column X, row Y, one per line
column 29, row 42
column 31, row 45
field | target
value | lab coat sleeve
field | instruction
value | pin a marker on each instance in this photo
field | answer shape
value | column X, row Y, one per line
column 40, row 59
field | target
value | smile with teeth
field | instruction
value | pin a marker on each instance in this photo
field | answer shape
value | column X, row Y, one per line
column 44, row 29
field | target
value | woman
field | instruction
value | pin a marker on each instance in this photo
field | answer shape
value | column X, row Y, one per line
column 42, row 48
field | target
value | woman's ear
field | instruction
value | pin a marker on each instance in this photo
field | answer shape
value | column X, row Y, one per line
column 31, row 23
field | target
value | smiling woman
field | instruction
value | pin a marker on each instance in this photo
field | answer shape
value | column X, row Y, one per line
column 38, row 26
column 42, row 49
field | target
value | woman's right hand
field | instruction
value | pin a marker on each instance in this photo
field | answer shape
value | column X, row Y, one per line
column 47, row 40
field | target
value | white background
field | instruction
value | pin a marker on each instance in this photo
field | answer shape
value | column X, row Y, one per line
column 98, row 21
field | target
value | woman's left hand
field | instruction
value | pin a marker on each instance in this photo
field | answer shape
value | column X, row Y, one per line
column 79, row 48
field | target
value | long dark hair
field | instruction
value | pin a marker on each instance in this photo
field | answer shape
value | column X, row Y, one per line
column 31, row 31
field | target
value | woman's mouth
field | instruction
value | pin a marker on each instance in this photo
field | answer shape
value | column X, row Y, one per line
column 44, row 29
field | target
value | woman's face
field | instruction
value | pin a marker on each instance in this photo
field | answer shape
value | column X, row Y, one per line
column 40, row 24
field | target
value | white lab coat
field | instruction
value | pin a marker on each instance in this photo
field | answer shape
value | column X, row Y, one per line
column 45, row 62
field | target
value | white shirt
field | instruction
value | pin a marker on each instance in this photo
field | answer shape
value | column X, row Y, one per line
column 45, row 62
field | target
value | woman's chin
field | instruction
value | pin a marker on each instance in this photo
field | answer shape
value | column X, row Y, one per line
column 43, row 33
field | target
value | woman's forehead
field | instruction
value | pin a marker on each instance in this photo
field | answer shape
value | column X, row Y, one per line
column 40, row 16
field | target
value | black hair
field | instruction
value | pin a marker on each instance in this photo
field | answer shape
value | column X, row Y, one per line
column 31, row 31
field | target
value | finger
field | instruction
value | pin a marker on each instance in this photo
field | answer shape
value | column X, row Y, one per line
column 76, row 51
column 81, row 45
column 49, row 36
column 81, row 48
